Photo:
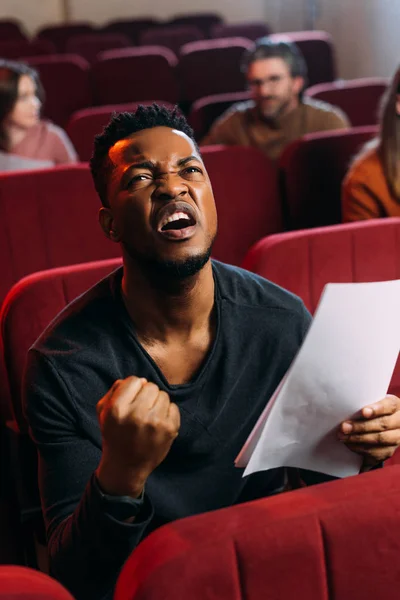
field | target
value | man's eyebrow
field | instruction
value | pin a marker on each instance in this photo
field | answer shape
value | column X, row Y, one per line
column 184, row 161
column 144, row 164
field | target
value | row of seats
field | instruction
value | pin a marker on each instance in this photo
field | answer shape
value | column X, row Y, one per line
column 155, row 72
column 247, row 551
column 359, row 99
column 88, row 45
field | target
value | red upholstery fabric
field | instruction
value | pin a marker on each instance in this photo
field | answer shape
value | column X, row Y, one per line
column 205, row 111
column 313, row 169
column 21, row 583
column 204, row 21
column 318, row 50
column 66, row 81
column 22, row 48
column 151, row 75
column 131, row 28
column 305, row 261
column 85, row 124
column 212, row 67
column 245, row 190
column 90, row 45
column 49, row 219
column 359, row 98
column 43, row 295
column 251, row 31
column 60, row 34
column 172, row 37
column 336, row 540
column 11, row 30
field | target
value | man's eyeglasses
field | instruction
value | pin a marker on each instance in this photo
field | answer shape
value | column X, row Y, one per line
column 273, row 80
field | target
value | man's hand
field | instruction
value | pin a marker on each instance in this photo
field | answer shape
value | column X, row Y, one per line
column 138, row 424
column 375, row 433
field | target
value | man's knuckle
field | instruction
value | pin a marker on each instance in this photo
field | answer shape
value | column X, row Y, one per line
column 383, row 423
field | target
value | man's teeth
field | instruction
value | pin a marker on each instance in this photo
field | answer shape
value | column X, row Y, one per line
column 175, row 217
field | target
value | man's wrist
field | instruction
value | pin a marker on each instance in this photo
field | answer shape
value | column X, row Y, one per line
column 116, row 482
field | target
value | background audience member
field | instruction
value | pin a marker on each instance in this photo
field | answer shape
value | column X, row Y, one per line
column 372, row 186
column 277, row 114
column 26, row 141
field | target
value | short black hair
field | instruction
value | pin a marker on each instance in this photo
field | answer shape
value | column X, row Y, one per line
column 125, row 124
column 288, row 51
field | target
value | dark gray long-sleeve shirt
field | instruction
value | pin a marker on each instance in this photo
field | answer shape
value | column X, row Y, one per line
column 92, row 343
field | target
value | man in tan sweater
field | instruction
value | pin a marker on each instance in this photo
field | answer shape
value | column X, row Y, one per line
column 277, row 114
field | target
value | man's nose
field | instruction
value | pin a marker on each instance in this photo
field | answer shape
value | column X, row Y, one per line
column 169, row 187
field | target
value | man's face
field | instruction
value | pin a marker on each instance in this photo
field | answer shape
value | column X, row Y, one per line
column 274, row 91
column 162, row 206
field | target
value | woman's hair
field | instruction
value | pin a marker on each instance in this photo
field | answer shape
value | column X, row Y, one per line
column 388, row 144
column 10, row 74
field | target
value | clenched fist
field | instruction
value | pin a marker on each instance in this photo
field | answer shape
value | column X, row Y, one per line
column 138, row 423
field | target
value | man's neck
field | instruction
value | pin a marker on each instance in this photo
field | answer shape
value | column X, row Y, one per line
column 175, row 309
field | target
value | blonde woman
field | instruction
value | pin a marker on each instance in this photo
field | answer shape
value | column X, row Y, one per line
column 372, row 186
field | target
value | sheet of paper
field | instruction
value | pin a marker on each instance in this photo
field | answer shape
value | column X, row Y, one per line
column 345, row 363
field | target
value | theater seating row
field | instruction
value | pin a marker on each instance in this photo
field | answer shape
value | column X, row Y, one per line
column 155, row 72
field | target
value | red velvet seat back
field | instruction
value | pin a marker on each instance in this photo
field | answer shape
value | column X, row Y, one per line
column 65, row 79
column 49, row 219
column 60, row 34
column 204, row 21
column 14, row 50
column 11, row 30
column 359, row 99
column 90, row 45
column 42, row 295
column 172, row 36
column 318, row 50
column 131, row 28
column 251, row 31
column 248, row 205
column 206, row 110
column 134, row 75
column 305, row 261
column 85, row 124
column 313, row 169
column 337, row 540
column 21, row 583
column 212, row 67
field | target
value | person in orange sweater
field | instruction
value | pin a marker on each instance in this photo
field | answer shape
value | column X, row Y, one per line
column 27, row 141
column 371, row 188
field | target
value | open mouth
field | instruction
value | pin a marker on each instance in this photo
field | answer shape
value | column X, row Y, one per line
column 176, row 221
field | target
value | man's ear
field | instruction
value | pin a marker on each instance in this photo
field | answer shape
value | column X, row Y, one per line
column 106, row 221
column 398, row 105
column 298, row 85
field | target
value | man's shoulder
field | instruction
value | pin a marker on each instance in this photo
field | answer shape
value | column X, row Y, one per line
column 76, row 327
column 246, row 289
column 323, row 111
column 237, row 111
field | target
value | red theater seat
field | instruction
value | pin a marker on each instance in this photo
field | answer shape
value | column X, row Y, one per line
column 305, row 261
column 85, row 124
column 204, row 21
column 131, row 28
column 21, row 583
column 172, row 37
column 20, row 49
column 43, row 295
column 10, row 30
column 251, row 31
column 205, row 111
column 212, row 67
column 359, row 98
column 90, row 45
column 318, row 50
column 337, row 540
column 60, row 34
column 66, row 81
column 134, row 75
column 312, row 170
column 245, row 189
